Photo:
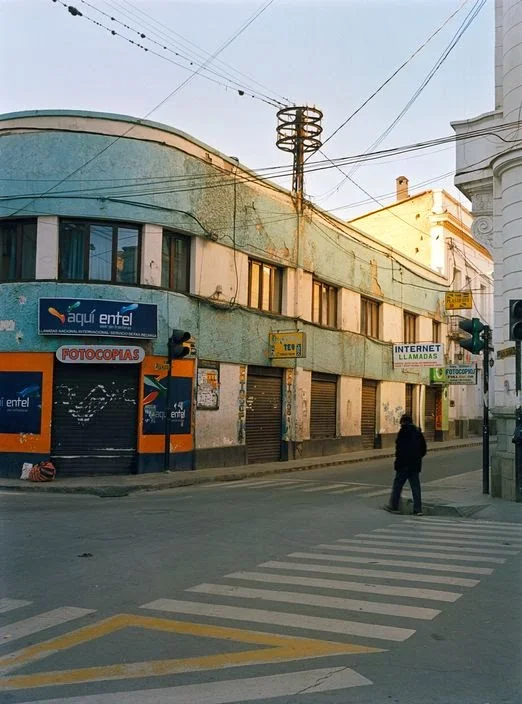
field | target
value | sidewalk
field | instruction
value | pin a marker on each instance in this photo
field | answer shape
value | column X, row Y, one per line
column 122, row 485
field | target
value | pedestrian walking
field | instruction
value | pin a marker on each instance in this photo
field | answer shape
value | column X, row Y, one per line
column 410, row 448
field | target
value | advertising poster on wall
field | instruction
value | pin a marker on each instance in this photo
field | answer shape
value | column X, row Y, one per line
column 20, row 402
column 93, row 316
column 155, row 400
column 208, row 388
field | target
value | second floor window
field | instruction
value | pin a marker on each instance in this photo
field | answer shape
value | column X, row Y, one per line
column 436, row 331
column 17, row 250
column 99, row 251
column 264, row 286
column 370, row 317
column 324, row 304
column 175, row 262
column 410, row 327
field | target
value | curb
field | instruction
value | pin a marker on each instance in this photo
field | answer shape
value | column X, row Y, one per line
column 433, row 508
column 115, row 490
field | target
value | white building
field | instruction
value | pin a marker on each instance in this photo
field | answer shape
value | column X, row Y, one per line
column 489, row 173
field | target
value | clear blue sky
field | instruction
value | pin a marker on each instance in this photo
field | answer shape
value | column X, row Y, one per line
column 331, row 54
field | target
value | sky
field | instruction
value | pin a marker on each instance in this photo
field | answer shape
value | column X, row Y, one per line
column 331, row 54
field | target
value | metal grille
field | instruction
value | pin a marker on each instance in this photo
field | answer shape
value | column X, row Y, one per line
column 323, row 406
column 408, row 406
column 94, row 423
column 368, row 412
column 263, row 415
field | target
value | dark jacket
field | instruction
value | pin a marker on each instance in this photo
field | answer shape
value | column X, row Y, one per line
column 410, row 448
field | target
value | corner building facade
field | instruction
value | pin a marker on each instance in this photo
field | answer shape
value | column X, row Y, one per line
column 292, row 317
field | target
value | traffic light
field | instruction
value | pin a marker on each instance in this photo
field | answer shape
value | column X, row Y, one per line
column 177, row 349
column 475, row 343
column 515, row 319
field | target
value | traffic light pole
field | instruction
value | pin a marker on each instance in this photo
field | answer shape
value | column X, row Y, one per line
column 517, row 438
column 166, row 459
column 485, row 423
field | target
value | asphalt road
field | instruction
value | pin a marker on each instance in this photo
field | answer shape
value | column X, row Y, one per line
column 295, row 592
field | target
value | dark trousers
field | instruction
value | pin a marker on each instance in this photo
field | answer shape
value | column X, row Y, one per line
column 401, row 476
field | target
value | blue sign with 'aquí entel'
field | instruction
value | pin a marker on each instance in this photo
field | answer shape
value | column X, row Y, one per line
column 95, row 316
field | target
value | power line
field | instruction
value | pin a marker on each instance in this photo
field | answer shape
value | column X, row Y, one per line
column 392, row 76
column 201, row 54
column 467, row 22
column 236, row 34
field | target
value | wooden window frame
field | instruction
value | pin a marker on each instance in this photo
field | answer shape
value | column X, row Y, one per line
column 409, row 320
column 275, row 286
column 436, row 327
column 172, row 236
column 370, row 324
column 19, row 247
column 320, row 288
column 115, row 225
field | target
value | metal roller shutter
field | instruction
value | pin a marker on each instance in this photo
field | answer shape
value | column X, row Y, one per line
column 323, row 406
column 368, row 412
column 263, row 414
column 94, row 423
column 409, row 399
column 429, row 413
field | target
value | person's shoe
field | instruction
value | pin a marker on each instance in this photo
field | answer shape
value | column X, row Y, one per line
column 418, row 513
column 390, row 509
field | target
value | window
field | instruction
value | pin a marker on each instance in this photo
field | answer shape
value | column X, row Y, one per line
column 410, row 327
column 175, row 262
column 370, row 313
column 324, row 304
column 436, row 328
column 99, row 251
column 264, row 286
column 17, row 250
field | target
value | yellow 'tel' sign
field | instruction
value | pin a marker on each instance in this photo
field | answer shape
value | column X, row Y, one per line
column 459, row 300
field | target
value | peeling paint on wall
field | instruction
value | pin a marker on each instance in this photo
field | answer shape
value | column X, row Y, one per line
column 241, row 411
column 374, row 281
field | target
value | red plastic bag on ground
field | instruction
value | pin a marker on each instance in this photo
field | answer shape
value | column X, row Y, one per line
column 42, row 472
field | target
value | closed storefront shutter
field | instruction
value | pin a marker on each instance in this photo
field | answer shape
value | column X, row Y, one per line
column 429, row 413
column 368, row 412
column 94, row 423
column 323, row 407
column 409, row 400
column 263, row 414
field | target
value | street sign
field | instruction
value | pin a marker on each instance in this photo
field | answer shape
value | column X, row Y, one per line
column 418, row 354
column 461, row 374
column 459, row 300
column 286, row 345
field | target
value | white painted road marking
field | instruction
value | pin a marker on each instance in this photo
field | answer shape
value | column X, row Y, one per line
column 342, row 585
column 474, row 523
column 466, row 529
column 302, row 621
column 30, row 626
column 290, row 684
column 435, row 566
column 328, row 487
column 380, row 574
column 390, row 542
column 12, row 604
column 445, row 538
column 329, row 602
column 411, row 553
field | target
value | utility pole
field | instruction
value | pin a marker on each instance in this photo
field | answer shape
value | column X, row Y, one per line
column 485, row 423
column 517, row 437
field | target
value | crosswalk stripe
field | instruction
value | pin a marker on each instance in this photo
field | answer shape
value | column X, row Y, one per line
column 325, row 488
column 12, row 604
column 330, row 602
column 381, row 492
column 380, row 574
column 241, row 483
column 475, row 522
column 342, row 585
column 435, row 566
column 391, row 542
column 35, row 624
column 460, row 528
column 445, row 538
column 289, row 684
column 349, row 490
column 277, row 618
column 410, row 553
column 283, row 484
